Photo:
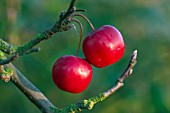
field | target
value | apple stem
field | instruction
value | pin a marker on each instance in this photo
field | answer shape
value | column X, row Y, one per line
column 84, row 17
column 81, row 33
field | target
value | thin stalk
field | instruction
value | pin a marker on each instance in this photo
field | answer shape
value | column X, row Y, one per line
column 88, row 21
column 81, row 33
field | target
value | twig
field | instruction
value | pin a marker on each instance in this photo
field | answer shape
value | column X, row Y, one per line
column 7, row 48
column 127, row 72
column 61, row 25
column 10, row 59
column 89, row 103
column 32, row 93
column 73, row 2
column 37, row 98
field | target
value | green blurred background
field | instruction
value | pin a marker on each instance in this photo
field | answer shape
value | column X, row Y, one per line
column 145, row 26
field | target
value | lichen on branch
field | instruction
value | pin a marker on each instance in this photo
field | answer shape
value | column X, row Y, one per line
column 5, row 72
column 6, row 47
column 63, row 24
column 32, row 92
column 88, row 104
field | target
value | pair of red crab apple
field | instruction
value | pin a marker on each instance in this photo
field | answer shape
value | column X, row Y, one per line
column 101, row 48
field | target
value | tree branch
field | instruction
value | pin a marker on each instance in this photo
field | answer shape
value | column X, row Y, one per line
column 61, row 25
column 7, row 48
column 38, row 98
column 126, row 73
column 73, row 2
column 89, row 103
column 31, row 92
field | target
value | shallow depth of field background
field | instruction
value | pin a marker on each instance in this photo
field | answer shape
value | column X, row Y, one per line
column 145, row 26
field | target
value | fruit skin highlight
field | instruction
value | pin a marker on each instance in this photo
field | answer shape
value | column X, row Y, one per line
column 72, row 74
column 104, row 46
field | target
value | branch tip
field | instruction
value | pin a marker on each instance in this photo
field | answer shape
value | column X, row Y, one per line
column 134, row 55
column 19, row 80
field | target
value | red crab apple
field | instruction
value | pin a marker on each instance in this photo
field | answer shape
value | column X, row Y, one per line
column 72, row 74
column 104, row 46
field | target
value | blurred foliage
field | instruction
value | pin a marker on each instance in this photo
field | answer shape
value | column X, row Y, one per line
column 145, row 26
